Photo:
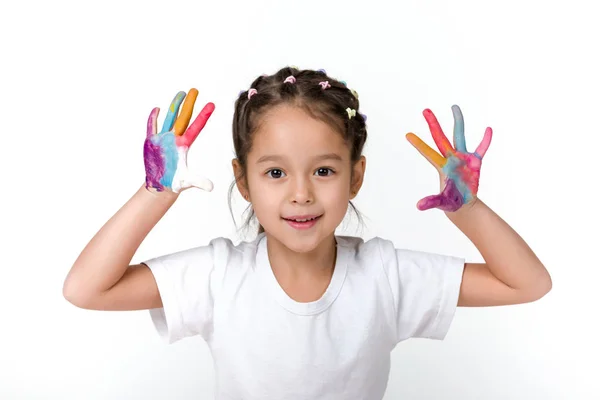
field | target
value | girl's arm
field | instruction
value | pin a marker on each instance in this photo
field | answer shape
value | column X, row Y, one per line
column 512, row 273
column 100, row 277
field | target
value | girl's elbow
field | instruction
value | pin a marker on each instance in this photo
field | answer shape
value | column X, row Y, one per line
column 543, row 285
column 75, row 293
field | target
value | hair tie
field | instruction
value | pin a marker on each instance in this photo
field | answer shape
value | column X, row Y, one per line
column 351, row 112
column 252, row 92
column 325, row 84
column 290, row 79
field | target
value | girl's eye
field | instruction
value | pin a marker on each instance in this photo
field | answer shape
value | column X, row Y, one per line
column 324, row 171
column 275, row 173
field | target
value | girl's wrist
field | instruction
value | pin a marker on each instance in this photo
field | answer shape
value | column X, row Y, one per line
column 164, row 194
column 465, row 209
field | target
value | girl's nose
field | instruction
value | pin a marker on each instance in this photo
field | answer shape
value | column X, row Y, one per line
column 302, row 192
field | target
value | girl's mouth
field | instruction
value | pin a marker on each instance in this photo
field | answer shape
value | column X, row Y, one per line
column 303, row 221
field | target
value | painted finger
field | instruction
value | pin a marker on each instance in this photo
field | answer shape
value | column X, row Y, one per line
column 186, row 112
column 459, row 130
column 151, row 127
column 449, row 200
column 429, row 202
column 200, row 182
column 438, row 135
column 485, row 143
column 430, row 154
column 194, row 129
column 173, row 111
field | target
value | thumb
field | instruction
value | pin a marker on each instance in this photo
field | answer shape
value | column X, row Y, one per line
column 448, row 200
column 198, row 181
column 429, row 202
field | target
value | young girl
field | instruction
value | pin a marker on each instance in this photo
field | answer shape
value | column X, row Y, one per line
column 298, row 312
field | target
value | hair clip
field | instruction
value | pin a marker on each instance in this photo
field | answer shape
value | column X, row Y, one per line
column 351, row 112
column 322, row 71
column 325, row 84
column 290, row 79
column 364, row 116
column 252, row 92
column 354, row 92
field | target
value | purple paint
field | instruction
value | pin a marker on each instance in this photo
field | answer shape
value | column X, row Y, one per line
column 450, row 199
column 155, row 166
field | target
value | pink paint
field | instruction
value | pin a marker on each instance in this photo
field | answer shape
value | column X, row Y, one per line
column 461, row 168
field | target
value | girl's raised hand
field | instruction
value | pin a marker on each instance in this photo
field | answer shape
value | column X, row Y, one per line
column 165, row 153
column 459, row 170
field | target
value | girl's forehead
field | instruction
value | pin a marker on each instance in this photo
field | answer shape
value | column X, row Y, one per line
column 290, row 129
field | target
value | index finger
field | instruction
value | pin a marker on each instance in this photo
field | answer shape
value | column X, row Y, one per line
column 192, row 132
column 430, row 154
column 186, row 112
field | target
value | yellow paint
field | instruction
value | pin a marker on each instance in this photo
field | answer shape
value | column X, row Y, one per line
column 431, row 155
column 187, row 109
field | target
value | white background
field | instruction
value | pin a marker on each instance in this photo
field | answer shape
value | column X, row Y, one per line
column 79, row 79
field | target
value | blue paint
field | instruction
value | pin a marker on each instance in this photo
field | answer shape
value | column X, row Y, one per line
column 450, row 170
column 173, row 111
column 171, row 157
column 459, row 130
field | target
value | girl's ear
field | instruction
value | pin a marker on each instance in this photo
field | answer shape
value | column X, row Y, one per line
column 240, row 180
column 358, row 174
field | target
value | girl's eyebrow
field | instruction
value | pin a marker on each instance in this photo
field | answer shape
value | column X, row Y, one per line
column 322, row 157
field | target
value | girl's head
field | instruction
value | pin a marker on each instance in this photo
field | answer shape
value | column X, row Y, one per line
column 298, row 138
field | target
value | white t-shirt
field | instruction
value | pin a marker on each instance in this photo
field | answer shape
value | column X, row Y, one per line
column 267, row 346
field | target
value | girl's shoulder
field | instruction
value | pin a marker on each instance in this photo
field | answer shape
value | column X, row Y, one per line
column 360, row 244
column 385, row 251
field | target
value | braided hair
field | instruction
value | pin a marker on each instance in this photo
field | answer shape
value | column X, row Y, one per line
column 322, row 97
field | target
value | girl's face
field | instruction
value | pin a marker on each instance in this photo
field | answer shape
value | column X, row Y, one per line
column 300, row 168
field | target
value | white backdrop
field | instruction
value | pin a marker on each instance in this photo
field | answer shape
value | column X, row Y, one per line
column 80, row 78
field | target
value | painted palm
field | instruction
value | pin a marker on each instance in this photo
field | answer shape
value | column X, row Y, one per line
column 165, row 153
column 459, row 169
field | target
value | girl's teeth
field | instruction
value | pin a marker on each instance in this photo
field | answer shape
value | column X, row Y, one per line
column 304, row 220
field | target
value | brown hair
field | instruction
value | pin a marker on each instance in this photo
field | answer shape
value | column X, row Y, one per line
column 328, row 105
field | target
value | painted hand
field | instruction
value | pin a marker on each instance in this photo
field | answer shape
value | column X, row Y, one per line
column 165, row 153
column 459, row 170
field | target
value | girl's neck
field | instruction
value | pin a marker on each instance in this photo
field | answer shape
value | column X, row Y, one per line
column 317, row 263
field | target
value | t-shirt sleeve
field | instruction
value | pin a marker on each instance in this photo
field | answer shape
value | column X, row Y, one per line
column 187, row 282
column 425, row 289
